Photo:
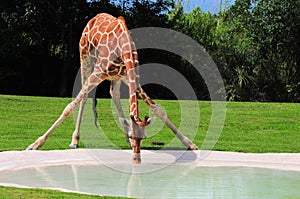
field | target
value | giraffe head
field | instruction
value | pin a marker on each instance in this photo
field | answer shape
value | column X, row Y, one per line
column 136, row 134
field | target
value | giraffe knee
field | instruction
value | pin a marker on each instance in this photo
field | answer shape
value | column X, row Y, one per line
column 70, row 109
column 157, row 110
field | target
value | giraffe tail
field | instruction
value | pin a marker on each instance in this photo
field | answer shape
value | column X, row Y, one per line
column 95, row 111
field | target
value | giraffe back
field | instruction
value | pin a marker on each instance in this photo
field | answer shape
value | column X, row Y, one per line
column 105, row 39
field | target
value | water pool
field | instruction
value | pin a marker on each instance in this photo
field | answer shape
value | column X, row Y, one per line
column 187, row 177
column 175, row 181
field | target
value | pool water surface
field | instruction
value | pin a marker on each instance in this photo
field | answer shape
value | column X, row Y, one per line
column 172, row 181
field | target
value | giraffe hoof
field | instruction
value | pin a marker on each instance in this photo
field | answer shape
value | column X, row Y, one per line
column 193, row 147
column 73, row 146
column 29, row 148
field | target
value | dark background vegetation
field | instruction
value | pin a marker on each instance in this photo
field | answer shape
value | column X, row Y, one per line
column 255, row 44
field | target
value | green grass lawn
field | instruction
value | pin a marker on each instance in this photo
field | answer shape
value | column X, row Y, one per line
column 13, row 193
column 249, row 127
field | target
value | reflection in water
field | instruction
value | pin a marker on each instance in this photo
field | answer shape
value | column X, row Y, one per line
column 174, row 181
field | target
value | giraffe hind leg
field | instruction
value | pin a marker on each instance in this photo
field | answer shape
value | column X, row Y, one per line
column 115, row 94
column 76, row 133
column 95, row 110
column 86, row 71
column 88, row 88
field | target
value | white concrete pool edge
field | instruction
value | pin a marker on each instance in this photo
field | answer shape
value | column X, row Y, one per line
column 281, row 161
column 12, row 160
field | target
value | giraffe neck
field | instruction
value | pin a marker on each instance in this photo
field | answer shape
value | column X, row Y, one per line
column 129, row 60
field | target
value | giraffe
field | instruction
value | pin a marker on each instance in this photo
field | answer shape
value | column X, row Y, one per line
column 108, row 53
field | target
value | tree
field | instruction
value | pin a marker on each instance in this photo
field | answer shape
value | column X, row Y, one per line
column 39, row 40
column 275, row 28
column 234, row 48
column 39, row 43
column 255, row 44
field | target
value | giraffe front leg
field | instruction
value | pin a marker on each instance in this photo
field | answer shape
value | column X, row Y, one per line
column 69, row 110
column 94, row 80
column 158, row 111
column 115, row 94
column 37, row 144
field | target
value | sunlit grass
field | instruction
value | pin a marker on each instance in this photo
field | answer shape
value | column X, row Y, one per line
column 11, row 192
column 249, row 127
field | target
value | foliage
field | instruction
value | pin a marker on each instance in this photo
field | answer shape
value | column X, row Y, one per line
column 234, row 48
column 145, row 13
column 255, row 44
column 275, row 27
column 39, row 40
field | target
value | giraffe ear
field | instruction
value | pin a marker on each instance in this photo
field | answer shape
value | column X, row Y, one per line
column 124, row 121
column 150, row 120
